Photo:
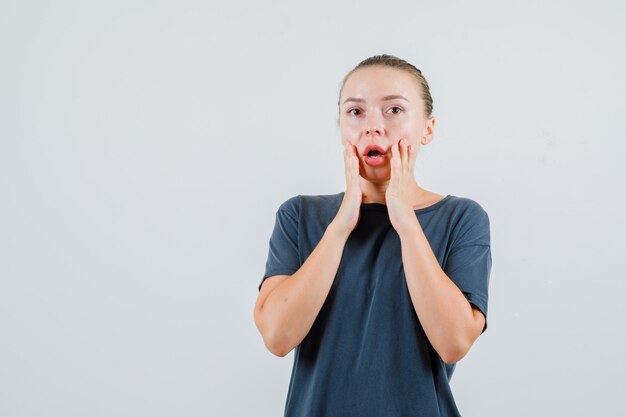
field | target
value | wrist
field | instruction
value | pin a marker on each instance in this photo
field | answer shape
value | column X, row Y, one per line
column 410, row 229
column 337, row 230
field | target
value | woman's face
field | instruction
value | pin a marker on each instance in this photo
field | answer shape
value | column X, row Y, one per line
column 381, row 105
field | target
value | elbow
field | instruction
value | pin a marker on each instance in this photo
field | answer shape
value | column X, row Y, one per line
column 454, row 355
column 271, row 338
column 451, row 359
column 457, row 351
column 277, row 346
column 280, row 350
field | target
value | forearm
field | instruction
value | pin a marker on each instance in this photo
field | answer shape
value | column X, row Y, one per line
column 291, row 308
column 443, row 311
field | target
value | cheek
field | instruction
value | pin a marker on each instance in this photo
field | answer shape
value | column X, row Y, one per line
column 410, row 132
column 348, row 132
column 351, row 123
column 401, row 127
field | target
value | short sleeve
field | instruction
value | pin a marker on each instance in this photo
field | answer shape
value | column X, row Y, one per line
column 468, row 263
column 283, row 257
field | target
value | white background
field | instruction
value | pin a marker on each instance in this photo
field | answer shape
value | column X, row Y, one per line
column 146, row 146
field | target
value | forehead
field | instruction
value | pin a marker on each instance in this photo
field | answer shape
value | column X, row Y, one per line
column 370, row 83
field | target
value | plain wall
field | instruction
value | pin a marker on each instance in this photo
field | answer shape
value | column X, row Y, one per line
column 146, row 146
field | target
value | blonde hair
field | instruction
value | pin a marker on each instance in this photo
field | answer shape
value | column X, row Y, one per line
column 395, row 62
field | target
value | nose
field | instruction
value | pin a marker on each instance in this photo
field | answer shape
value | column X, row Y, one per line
column 373, row 127
column 373, row 131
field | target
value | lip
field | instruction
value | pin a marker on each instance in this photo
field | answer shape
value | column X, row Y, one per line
column 380, row 160
column 374, row 147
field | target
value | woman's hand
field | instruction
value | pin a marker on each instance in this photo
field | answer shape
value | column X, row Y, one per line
column 399, row 207
column 348, row 215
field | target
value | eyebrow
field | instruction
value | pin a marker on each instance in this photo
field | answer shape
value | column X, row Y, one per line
column 390, row 97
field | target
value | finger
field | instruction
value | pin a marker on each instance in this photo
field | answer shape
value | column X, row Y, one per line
column 355, row 160
column 412, row 158
column 404, row 154
column 395, row 163
column 354, row 167
column 351, row 158
column 346, row 163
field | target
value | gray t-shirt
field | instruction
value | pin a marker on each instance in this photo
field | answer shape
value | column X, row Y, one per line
column 366, row 353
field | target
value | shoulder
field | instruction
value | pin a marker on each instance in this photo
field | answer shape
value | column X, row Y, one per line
column 468, row 218
column 302, row 201
column 290, row 205
column 321, row 206
column 321, row 199
column 467, row 208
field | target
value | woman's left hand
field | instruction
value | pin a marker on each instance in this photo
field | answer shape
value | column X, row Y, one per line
column 399, row 207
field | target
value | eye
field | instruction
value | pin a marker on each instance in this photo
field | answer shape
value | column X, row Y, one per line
column 351, row 110
column 396, row 107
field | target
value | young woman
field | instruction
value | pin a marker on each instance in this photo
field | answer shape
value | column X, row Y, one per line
column 383, row 287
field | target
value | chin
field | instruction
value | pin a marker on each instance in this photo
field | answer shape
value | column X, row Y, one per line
column 376, row 174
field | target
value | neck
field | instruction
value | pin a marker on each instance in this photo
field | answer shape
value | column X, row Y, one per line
column 374, row 192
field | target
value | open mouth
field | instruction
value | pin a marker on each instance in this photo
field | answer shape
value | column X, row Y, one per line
column 374, row 150
column 374, row 155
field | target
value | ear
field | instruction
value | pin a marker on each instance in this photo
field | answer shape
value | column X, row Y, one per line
column 429, row 131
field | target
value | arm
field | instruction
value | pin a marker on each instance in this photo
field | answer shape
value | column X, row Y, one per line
column 287, row 313
column 450, row 322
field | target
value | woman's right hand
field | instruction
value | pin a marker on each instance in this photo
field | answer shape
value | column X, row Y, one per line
column 348, row 215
